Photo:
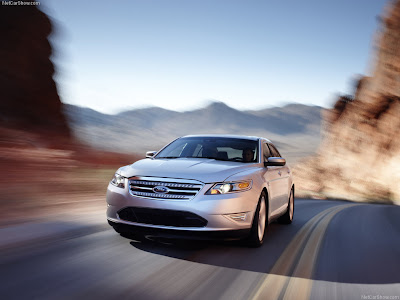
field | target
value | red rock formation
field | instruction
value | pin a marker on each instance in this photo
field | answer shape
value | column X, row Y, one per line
column 359, row 157
column 29, row 99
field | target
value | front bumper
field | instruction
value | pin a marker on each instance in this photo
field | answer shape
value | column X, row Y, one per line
column 213, row 208
column 225, row 235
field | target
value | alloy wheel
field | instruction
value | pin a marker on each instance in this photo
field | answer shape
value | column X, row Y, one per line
column 262, row 216
column 291, row 206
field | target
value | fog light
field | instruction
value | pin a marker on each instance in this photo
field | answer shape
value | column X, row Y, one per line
column 238, row 216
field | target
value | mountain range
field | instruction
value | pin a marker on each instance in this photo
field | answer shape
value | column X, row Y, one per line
column 294, row 128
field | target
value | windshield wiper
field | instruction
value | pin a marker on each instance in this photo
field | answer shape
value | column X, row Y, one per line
column 208, row 157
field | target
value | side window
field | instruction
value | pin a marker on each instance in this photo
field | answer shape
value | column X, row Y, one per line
column 266, row 152
column 274, row 152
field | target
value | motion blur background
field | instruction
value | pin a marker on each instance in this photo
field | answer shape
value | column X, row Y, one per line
column 90, row 86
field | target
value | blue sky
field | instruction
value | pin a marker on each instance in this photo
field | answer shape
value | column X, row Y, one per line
column 116, row 55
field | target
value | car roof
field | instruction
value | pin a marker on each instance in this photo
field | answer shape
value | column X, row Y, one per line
column 231, row 136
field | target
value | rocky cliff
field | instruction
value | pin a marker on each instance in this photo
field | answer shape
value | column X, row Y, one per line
column 29, row 99
column 359, row 157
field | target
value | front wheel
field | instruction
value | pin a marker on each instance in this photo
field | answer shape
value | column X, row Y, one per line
column 287, row 218
column 260, row 223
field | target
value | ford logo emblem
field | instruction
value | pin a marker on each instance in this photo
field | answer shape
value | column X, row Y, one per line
column 160, row 189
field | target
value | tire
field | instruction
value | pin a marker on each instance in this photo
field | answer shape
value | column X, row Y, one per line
column 260, row 223
column 287, row 218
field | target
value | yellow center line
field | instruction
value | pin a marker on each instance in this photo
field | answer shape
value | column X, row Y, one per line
column 305, row 245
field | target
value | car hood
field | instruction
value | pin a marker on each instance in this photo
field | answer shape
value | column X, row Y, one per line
column 204, row 170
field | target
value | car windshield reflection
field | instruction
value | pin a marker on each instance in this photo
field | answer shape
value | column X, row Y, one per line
column 223, row 149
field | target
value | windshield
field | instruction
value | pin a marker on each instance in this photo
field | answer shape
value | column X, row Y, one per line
column 219, row 148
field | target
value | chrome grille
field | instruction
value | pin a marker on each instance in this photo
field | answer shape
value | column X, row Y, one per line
column 164, row 188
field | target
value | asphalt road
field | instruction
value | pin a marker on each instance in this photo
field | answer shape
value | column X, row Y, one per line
column 332, row 250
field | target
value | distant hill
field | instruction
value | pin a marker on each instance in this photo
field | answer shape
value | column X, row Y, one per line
column 295, row 128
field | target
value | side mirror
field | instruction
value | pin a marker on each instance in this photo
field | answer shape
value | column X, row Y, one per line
column 275, row 161
column 150, row 154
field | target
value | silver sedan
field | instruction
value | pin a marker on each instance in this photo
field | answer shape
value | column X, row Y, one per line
column 204, row 187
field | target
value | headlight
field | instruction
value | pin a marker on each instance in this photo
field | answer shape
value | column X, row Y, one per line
column 229, row 187
column 118, row 180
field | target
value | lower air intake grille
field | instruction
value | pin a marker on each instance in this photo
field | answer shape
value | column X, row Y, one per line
column 162, row 217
